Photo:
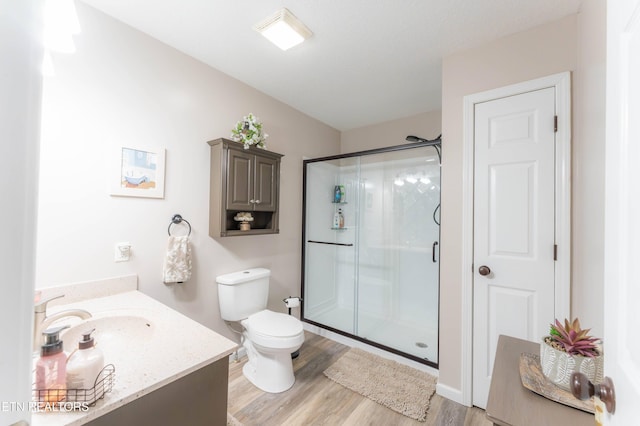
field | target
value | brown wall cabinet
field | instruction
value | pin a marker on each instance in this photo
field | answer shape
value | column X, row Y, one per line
column 243, row 180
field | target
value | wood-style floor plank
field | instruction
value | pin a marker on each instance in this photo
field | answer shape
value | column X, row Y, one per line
column 316, row 400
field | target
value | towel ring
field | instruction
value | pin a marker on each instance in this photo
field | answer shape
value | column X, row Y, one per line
column 178, row 219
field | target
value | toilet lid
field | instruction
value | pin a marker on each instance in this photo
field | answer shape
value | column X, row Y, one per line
column 274, row 324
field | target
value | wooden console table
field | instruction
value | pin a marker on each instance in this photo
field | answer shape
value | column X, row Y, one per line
column 511, row 404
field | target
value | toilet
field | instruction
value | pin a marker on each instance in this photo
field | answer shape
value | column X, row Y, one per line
column 268, row 337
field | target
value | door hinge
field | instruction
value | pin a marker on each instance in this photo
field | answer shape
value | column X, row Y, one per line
column 555, row 123
column 555, row 252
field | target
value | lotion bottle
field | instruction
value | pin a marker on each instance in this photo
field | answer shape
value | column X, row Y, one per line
column 83, row 368
column 51, row 368
column 338, row 220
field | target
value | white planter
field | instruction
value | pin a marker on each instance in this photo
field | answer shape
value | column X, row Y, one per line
column 557, row 366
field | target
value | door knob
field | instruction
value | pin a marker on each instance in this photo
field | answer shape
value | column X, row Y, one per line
column 484, row 270
column 582, row 388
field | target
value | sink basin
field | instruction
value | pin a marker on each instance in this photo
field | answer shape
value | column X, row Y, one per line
column 111, row 332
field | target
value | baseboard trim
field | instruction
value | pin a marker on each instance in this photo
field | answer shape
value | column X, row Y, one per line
column 450, row 393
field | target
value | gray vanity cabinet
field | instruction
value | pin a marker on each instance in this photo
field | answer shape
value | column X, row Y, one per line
column 243, row 180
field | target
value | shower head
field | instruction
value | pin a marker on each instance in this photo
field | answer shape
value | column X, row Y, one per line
column 435, row 141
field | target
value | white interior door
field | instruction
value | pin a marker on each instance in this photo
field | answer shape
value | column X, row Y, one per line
column 514, row 229
column 622, row 238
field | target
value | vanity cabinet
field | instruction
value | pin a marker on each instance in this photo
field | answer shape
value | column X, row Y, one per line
column 243, row 180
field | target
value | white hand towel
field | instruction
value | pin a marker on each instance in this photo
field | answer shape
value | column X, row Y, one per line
column 177, row 262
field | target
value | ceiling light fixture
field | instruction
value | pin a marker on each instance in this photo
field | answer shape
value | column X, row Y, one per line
column 283, row 29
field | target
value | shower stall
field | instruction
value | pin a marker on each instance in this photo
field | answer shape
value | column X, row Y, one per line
column 371, row 239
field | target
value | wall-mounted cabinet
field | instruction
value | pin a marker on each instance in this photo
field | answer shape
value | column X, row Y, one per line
column 243, row 180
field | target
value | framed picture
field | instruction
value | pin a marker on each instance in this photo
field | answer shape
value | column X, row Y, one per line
column 138, row 172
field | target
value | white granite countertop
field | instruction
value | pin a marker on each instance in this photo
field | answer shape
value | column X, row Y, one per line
column 169, row 346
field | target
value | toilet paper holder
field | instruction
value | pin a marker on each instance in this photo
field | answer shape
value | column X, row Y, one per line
column 292, row 302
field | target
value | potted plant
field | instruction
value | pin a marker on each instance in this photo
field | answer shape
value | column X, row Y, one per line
column 249, row 132
column 244, row 218
column 568, row 349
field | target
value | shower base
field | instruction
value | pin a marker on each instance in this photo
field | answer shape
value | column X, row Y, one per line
column 404, row 337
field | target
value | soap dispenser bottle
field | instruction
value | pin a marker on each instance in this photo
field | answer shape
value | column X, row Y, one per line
column 83, row 368
column 51, row 368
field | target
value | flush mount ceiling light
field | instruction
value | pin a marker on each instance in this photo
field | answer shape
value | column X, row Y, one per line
column 283, row 29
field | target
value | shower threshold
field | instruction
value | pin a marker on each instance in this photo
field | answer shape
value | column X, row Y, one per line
column 408, row 341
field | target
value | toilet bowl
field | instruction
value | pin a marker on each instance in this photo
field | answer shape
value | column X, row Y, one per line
column 268, row 337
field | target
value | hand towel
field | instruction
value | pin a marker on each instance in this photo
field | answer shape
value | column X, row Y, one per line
column 177, row 262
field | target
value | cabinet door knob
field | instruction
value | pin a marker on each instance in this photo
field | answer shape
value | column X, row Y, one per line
column 582, row 388
column 484, row 270
column 257, row 201
column 252, row 201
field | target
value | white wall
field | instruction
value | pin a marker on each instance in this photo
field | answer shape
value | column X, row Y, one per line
column 20, row 86
column 123, row 87
column 572, row 44
column 426, row 125
column 587, row 272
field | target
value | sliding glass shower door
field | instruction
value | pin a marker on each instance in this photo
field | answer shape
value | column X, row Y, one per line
column 376, row 277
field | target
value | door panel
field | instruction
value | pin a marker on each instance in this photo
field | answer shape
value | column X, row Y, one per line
column 514, row 218
column 239, row 181
column 622, row 233
column 265, row 183
column 511, row 207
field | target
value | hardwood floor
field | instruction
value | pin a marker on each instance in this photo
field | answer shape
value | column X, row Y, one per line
column 316, row 400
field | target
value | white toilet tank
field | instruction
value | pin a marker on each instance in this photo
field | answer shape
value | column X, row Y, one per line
column 243, row 293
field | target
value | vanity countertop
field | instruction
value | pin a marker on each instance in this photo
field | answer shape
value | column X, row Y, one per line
column 172, row 347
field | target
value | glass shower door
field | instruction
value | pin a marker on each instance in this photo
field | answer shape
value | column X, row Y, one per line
column 374, row 275
column 397, row 289
column 330, row 249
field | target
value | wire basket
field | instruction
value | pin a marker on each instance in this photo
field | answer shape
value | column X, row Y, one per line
column 80, row 398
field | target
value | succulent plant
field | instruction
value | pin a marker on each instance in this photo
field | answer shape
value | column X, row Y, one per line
column 572, row 339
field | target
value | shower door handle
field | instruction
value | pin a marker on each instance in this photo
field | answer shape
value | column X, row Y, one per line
column 433, row 251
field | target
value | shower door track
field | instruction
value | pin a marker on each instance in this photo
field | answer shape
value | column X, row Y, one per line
column 373, row 343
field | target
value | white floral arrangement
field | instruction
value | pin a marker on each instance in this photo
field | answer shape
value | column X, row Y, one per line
column 243, row 217
column 249, row 132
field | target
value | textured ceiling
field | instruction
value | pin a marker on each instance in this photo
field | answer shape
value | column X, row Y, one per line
column 369, row 61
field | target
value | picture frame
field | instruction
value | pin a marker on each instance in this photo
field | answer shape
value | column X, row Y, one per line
column 138, row 171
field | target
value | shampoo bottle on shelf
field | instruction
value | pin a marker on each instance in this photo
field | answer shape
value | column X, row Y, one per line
column 338, row 220
column 51, row 368
column 83, row 368
column 336, row 194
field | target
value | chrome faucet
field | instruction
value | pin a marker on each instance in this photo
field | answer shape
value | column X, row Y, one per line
column 42, row 321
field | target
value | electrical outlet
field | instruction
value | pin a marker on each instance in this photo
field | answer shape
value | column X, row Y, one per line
column 122, row 252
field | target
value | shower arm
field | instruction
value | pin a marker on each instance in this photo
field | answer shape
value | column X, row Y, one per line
column 436, row 143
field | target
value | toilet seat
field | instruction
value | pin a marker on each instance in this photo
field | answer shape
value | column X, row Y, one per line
column 274, row 330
